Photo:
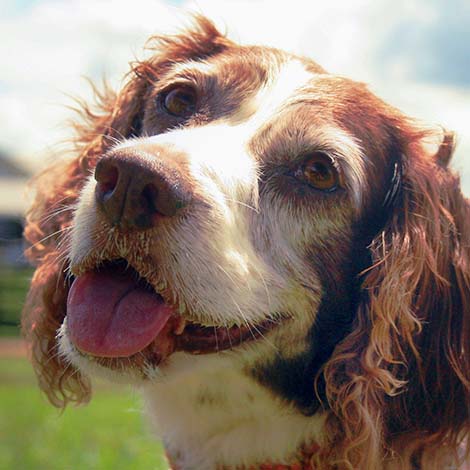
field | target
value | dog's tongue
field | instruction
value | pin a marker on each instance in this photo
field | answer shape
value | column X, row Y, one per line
column 109, row 314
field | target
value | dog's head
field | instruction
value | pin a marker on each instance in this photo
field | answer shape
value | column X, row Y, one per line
column 241, row 202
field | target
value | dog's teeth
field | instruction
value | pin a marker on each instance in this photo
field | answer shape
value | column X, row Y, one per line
column 182, row 308
column 161, row 286
column 180, row 326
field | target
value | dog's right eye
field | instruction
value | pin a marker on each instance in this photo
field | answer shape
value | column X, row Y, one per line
column 179, row 101
column 320, row 172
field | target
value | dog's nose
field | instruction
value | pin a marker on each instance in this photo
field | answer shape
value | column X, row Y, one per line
column 135, row 189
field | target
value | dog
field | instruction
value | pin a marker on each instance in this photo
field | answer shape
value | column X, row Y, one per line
column 277, row 258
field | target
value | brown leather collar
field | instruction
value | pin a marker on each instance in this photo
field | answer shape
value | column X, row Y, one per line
column 303, row 460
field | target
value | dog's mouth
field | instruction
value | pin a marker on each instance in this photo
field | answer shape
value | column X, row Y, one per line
column 114, row 313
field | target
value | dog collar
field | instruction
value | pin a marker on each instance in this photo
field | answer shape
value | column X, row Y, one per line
column 302, row 460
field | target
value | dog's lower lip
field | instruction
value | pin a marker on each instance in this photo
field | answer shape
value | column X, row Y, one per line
column 181, row 333
column 199, row 339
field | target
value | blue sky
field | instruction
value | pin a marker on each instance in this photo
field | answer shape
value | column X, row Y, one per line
column 415, row 54
column 437, row 49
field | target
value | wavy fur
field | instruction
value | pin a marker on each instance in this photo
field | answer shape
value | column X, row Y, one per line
column 398, row 385
column 400, row 380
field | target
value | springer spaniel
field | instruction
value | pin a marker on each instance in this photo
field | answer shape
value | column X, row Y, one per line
column 270, row 252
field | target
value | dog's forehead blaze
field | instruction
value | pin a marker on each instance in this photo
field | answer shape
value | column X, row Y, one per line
column 259, row 82
column 255, row 84
column 298, row 98
column 277, row 91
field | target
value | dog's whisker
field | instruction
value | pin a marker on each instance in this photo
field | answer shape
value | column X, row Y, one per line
column 56, row 213
column 53, row 356
column 244, row 204
column 216, row 339
column 51, row 235
column 57, row 204
column 266, row 289
column 229, row 337
column 62, row 263
column 252, row 326
column 118, row 132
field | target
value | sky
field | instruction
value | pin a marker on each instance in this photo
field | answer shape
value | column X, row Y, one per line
column 415, row 54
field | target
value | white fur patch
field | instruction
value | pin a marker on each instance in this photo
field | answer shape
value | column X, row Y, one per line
column 276, row 93
column 211, row 412
column 234, row 260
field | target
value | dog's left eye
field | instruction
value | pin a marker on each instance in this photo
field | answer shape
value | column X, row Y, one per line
column 318, row 170
column 179, row 101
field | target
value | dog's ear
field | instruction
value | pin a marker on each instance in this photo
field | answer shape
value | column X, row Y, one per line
column 114, row 117
column 405, row 368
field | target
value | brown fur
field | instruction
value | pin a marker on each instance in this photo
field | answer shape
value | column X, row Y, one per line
column 112, row 117
column 403, row 373
column 399, row 383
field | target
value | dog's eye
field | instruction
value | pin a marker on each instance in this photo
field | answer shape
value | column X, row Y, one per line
column 180, row 101
column 319, row 171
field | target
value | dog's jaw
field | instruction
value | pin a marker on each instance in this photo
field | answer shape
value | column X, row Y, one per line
column 212, row 415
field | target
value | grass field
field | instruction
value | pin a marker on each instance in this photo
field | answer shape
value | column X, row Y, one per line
column 14, row 284
column 109, row 433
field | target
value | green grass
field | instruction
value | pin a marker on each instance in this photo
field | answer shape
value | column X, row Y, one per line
column 109, row 433
column 14, row 284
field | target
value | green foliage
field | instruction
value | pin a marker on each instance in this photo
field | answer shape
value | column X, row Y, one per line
column 109, row 433
column 14, row 284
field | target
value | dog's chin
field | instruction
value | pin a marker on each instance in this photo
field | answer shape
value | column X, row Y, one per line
column 144, row 368
column 137, row 350
column 93, row 367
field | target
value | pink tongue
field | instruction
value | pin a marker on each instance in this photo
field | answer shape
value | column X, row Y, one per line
column 110, row 315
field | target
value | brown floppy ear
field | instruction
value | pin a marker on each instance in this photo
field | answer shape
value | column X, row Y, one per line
column 115, row 116
column 403, row 375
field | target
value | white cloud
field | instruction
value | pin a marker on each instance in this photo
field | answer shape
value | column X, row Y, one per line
column 55, row 43
column 51, row 48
